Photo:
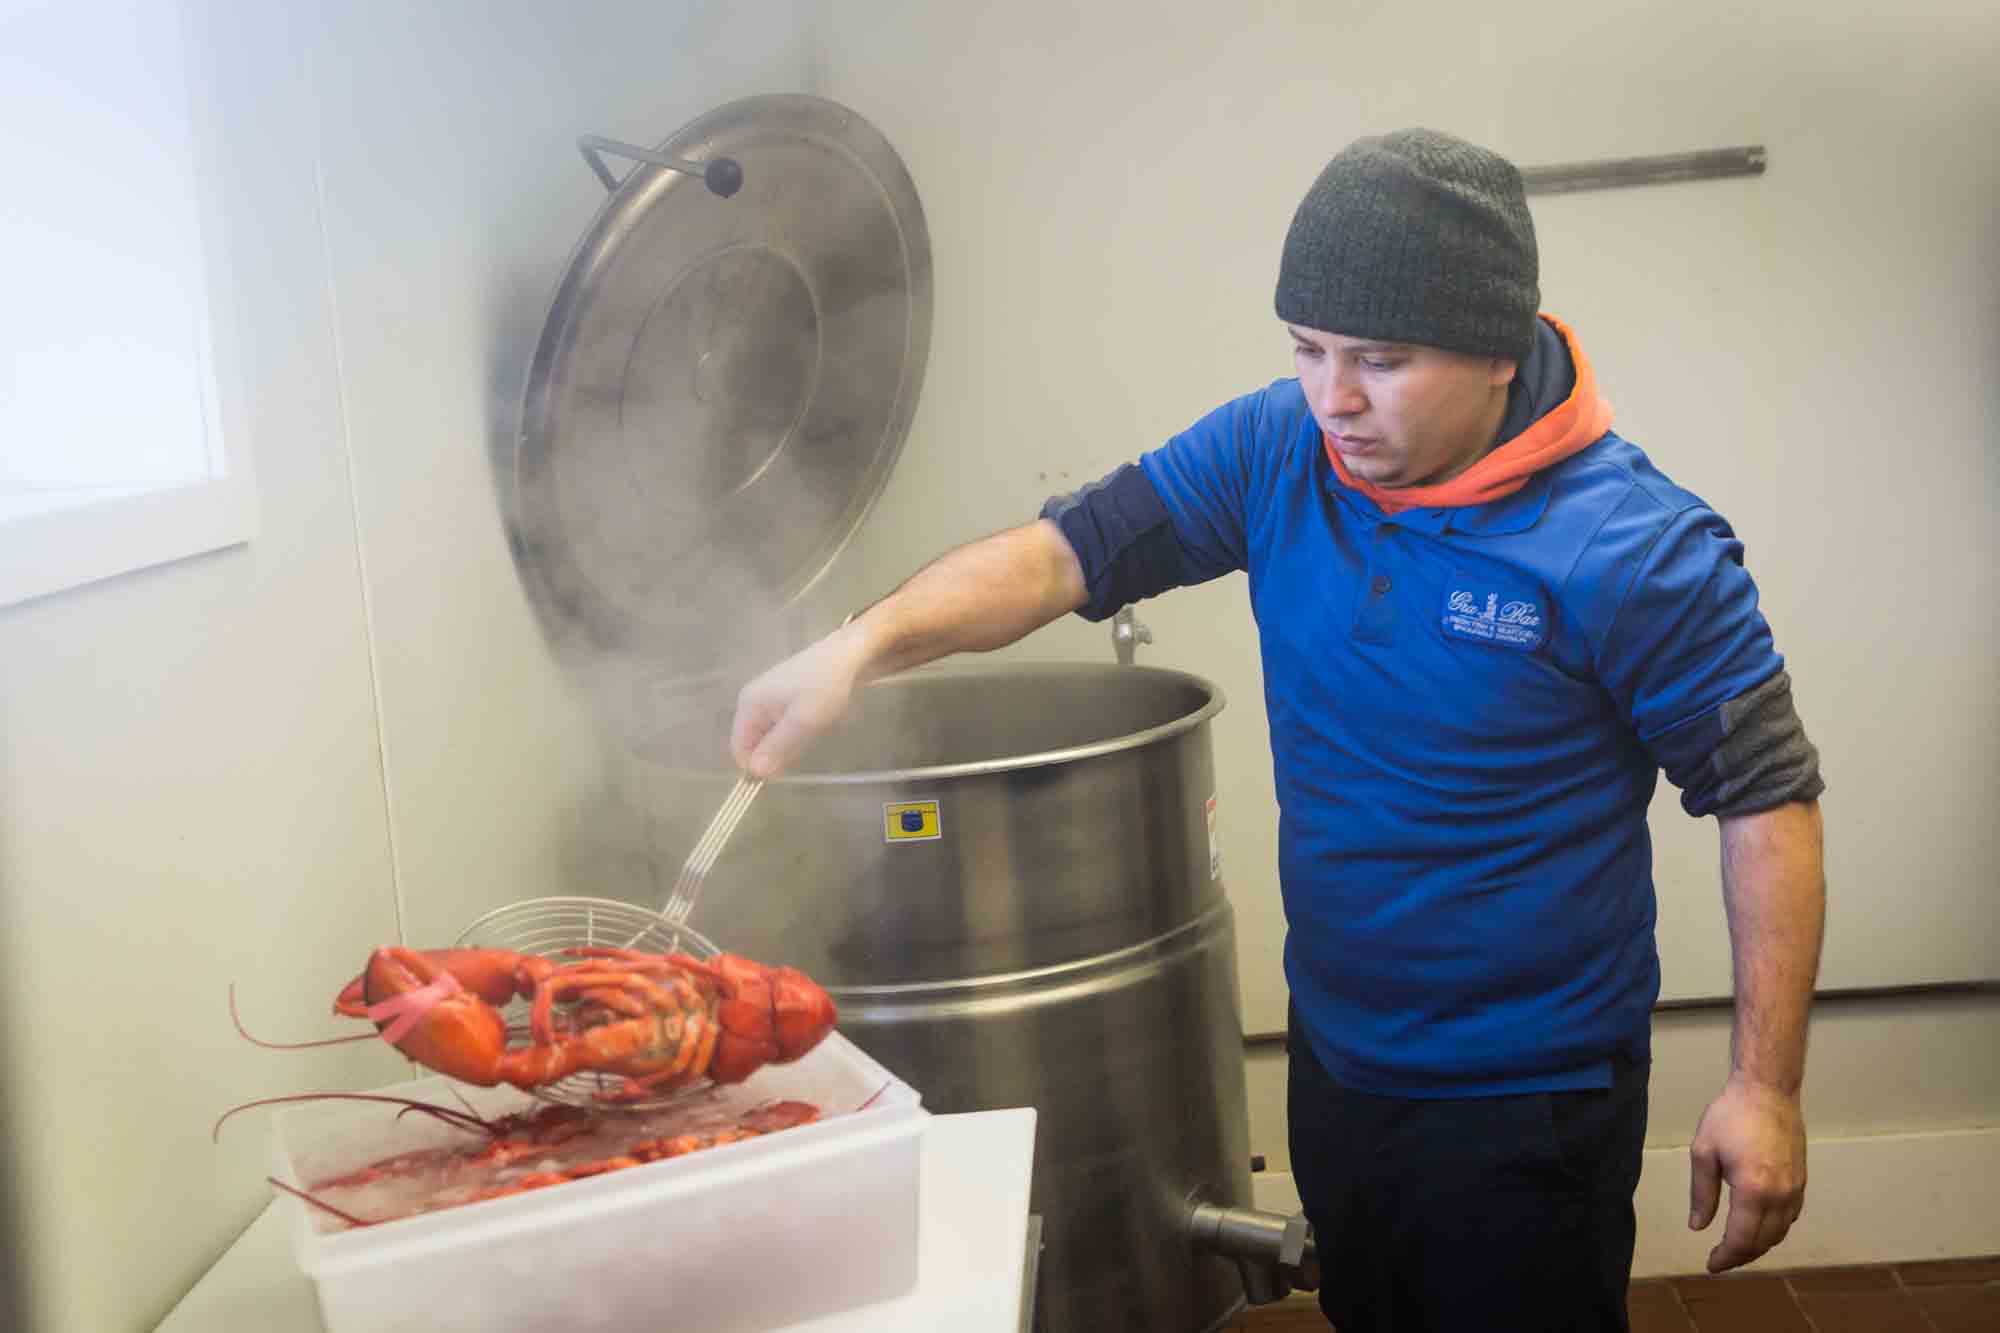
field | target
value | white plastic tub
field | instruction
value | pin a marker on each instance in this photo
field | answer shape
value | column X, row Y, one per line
column 751, row 1235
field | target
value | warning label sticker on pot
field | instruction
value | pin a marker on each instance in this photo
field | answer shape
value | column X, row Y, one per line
column 1214, row 847
column 911, row 821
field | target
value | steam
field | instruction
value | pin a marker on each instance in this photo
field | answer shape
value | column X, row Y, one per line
column 704, row 426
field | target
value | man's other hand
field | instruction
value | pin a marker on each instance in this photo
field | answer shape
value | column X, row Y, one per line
column 1753, row 1136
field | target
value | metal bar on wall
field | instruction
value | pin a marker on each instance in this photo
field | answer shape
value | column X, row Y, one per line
column 1618, row 172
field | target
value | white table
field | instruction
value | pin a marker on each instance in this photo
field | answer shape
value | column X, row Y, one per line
column 972, row 1249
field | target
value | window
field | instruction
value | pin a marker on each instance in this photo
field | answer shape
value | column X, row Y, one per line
column 116, row 450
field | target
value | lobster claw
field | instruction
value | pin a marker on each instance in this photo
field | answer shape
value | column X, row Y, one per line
column 432, row 1007
column 768, row 1015
column 494, row 975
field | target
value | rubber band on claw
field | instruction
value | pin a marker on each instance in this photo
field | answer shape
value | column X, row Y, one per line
column 410, row 1008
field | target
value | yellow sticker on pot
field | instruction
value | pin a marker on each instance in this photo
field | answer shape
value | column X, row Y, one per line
column 911, row 821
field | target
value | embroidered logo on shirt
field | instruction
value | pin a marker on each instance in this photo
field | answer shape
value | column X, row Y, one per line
column 1491, row 617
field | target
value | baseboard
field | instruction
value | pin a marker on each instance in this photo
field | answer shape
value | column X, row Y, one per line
column 1880, row 1199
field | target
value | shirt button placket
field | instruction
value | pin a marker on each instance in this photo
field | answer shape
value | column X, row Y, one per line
column 1375, row 617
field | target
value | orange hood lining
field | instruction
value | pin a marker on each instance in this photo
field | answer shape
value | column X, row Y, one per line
column 1577, row 422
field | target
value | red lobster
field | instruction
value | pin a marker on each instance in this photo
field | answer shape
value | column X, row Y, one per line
column 527, row 1137
column 661, row 1021
column 525, row 1151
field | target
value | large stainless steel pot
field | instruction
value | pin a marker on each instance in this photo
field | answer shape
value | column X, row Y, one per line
column 1006, row 876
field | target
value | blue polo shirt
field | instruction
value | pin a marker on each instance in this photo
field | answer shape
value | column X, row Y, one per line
column 1468, row 709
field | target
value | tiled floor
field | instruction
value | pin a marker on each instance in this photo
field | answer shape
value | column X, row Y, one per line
column 1956, row 1296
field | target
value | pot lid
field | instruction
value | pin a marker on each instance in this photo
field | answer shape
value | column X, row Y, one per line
column 723, row 382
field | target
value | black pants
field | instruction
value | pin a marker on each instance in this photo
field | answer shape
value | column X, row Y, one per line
column 1492, row 1214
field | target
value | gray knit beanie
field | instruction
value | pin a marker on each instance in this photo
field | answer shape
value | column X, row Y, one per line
column 1415, row 237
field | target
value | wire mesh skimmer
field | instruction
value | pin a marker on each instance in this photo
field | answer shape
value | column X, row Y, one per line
column 547, row 927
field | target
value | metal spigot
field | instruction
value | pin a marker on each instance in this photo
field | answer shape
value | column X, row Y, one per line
column 1127, row 633
column 1274, row 1252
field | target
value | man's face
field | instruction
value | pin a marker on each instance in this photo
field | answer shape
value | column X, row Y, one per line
column 1400, row 414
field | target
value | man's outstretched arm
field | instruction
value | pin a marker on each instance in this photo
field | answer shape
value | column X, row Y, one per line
column 977, row 598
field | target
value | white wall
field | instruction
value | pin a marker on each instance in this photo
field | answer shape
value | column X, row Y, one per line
column 257, row 765
column 191, row 795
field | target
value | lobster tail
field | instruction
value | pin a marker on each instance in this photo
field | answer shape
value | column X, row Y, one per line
column 802, row 1012
column 768, row 1015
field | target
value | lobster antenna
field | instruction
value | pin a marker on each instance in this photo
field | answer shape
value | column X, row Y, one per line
column 464, row 1120
column 244, row 1032
column 348, row 1218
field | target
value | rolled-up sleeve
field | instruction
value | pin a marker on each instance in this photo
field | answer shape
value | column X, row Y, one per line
column 1123, row 538
column 1172, row 519
column 1690, row 660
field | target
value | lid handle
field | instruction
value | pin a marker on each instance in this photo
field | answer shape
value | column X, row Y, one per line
column 723, row 176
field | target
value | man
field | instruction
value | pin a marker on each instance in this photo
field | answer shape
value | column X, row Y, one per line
column 1487, row 622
